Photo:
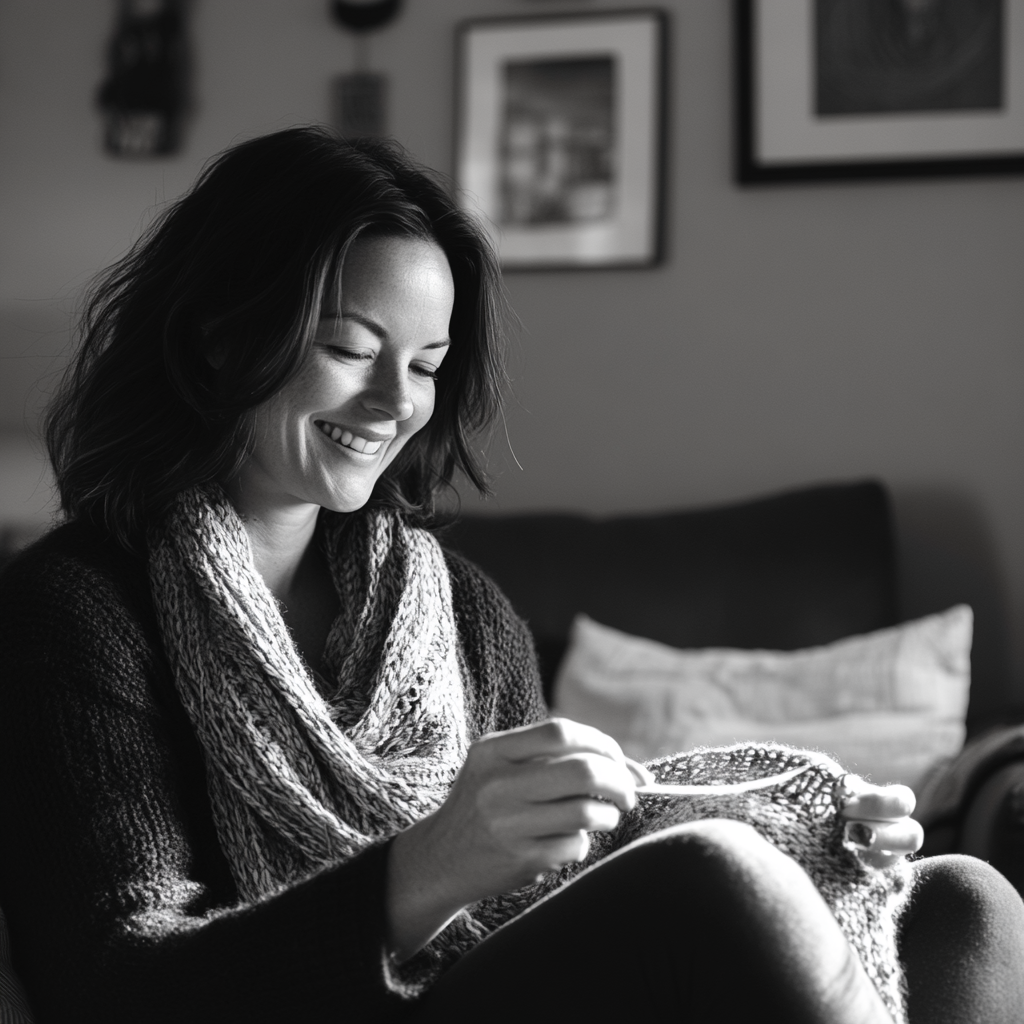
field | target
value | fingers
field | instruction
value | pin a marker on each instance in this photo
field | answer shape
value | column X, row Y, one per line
column 864, row 801
column 562, row 818
column 562, row 778
column 551, row 738
column 898, row 837
column 559, row 759
column 880, row 858
column 641, row 776
column 553, row 852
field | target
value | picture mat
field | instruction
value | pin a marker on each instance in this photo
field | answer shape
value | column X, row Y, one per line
column 787, row 130
column 628, row 236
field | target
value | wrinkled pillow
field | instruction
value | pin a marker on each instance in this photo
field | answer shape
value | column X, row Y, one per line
column 888, row 705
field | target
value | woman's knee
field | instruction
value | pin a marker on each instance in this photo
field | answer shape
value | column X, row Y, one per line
column 967, row 897
column 961, row 940
column 717, row 841
column 971, row 897
column 726, row 855
column 737, row 891
column 718, row 873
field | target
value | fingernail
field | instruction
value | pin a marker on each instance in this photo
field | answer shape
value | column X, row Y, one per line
column 640, row 774
column 858, row 834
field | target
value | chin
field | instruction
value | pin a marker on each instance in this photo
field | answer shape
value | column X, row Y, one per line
column 350, row 501
column 344, row 507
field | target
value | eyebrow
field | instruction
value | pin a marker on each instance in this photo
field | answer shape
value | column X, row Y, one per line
column 375, row 328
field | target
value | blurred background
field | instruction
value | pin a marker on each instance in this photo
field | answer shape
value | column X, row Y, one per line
column 792, row 335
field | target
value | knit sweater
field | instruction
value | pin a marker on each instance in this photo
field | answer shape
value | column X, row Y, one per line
column 120, row 904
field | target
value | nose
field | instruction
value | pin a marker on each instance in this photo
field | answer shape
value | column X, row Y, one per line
column 389, row 393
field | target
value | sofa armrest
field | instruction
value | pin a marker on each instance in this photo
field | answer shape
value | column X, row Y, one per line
column 993, row 823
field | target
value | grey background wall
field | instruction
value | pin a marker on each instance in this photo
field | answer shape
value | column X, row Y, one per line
column 793, row 335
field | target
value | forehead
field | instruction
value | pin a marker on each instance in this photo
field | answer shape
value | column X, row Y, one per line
column 387, row 261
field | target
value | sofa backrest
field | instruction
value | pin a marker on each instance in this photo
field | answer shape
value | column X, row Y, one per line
column 788, row 571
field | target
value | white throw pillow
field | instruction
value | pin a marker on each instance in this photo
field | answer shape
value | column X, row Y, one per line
column 888, row 705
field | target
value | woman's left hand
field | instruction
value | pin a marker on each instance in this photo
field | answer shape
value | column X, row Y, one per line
column 878, row 822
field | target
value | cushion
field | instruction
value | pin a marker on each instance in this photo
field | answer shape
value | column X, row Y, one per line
column 787, row 571
column 888, row 705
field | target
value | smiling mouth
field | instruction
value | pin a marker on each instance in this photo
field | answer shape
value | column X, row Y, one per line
column 347, row 439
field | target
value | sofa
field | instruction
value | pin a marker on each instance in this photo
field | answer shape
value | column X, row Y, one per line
column 785, row 572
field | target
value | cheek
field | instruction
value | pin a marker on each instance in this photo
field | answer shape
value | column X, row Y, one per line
column 424, row 410
column 274, row 422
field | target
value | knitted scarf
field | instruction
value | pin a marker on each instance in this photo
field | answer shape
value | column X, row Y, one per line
column 303, row 776
column 299, row 781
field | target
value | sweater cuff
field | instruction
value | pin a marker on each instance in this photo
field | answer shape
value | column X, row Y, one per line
column 411, row 978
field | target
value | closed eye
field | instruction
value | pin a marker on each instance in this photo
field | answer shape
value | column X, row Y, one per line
column 354, row 355
column 347, row 353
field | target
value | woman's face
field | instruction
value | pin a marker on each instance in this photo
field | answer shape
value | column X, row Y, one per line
column 366, row 386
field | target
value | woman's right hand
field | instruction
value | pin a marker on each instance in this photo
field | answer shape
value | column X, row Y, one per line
column 521, row 806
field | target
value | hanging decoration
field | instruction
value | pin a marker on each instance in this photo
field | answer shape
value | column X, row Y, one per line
column 144, row 96
column 359, row 99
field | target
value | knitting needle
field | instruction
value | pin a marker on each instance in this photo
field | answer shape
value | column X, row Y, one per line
column 720, row 788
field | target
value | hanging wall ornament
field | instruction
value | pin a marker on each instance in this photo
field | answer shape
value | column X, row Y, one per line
column 359, row 99
column 144, row 96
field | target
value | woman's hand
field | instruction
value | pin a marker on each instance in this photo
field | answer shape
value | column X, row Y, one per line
column 522, row 805
column 878, row 822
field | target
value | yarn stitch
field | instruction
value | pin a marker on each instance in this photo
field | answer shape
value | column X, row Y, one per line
column 293, row 791
column 299, row 781
column 799, row 818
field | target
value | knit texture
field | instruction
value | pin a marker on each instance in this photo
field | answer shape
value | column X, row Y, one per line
column 121, row 905
column 801, row 818
column 293, row 790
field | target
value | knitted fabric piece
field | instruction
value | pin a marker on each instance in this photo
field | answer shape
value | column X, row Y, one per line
column 800, row 818
column 298, row 782
column 293, row 791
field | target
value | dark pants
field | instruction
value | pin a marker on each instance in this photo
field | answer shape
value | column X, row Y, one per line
column 707, row 922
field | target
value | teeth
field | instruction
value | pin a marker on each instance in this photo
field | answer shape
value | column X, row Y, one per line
column 350, row 440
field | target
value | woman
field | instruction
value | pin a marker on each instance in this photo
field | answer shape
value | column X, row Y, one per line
column 270, row 754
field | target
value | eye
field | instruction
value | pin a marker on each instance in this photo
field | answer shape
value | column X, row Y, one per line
column 348, row 353
column 428, row 372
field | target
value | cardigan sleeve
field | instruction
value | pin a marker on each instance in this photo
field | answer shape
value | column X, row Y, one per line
column 118, row 900
column 499, row 652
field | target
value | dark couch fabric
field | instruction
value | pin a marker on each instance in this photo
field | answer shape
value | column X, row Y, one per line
column 794, row 570
column 975, row 804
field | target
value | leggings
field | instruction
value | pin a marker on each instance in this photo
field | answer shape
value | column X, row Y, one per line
column 708, row 922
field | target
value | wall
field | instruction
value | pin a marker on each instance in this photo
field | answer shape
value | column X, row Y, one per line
column 794, row 334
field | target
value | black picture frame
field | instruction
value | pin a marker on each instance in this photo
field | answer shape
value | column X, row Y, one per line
column 780, row 141
column 628, row 230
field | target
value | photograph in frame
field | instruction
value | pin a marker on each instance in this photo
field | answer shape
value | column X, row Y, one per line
column 878, row 88
column 559, row 137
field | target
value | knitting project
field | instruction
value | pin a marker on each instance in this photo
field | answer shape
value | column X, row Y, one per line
column 303, row 776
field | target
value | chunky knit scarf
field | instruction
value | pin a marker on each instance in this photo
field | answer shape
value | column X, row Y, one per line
column 299, row 781
column 305, row 773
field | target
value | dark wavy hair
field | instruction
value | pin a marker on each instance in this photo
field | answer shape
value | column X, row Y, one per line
column 239, row 266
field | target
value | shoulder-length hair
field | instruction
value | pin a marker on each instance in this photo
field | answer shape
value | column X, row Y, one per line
column 239, row 266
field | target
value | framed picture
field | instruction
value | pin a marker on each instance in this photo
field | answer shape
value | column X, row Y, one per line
column 559, row 137
column 878, row 88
